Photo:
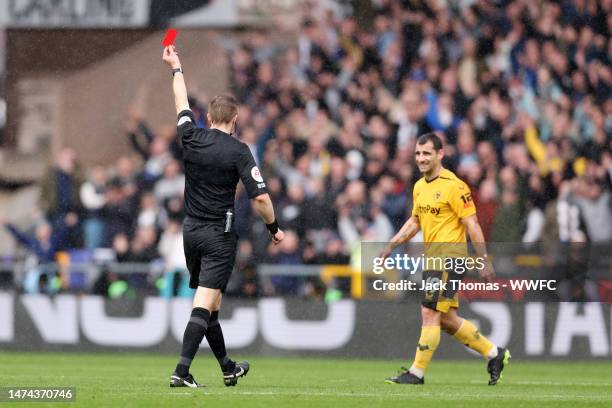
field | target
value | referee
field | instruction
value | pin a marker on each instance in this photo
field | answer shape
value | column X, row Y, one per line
column 214, row 162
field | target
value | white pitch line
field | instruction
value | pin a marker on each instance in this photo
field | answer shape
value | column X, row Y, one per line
column 407, row 395
column 556, row 383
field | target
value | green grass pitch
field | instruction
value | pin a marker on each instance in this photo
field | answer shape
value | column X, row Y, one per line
column 141, row 380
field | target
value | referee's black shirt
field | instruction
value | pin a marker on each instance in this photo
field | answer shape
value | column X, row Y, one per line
column 214, row 162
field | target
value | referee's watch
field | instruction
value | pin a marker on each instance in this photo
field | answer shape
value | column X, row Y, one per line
column 175, row 70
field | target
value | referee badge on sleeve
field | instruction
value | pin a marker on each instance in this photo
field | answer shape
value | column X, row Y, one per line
column 256, row 175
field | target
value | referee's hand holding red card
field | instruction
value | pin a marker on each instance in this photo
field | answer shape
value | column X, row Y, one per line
column 170, row 57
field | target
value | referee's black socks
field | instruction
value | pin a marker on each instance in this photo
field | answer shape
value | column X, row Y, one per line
column 194, row 333
column 214, row 336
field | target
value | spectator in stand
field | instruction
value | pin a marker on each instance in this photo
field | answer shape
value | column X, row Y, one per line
column 358, row 220
column 173, row 209
column 507, row 224
column 126, row 177
column 334, row 253
column 594, row 200
column 486, row 202
column 149, row 212
column 176, row 279
column 143, row 248
column 46, row 240
column 43, row 245
column 157, row 159
column 393, row 200
column 412, row 121
column 291, row 210
column 60, row 187
column 318, row 210
column 119, row 212
column 288, row 252
column 60, row 194
column 172, row 184
column 93, row 197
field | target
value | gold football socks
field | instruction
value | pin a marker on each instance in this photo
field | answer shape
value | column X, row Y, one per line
column 428, row 342
column 469, row 335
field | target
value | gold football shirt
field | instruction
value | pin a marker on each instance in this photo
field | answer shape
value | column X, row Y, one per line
column 440, row 204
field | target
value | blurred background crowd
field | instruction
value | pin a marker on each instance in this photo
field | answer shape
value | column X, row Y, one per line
column 520, row 92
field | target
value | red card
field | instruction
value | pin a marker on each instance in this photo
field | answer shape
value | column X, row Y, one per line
column 170, row 37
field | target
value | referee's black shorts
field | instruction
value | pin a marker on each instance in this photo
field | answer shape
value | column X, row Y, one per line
column 210, row 253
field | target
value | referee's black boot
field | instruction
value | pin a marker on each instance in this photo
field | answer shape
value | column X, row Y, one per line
column 405, row 377
column 188, row 381
column 496, row 365
column 233, row 371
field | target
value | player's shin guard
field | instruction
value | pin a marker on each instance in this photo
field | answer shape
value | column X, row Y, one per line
column 214, row 336
column 469, row 335
column 428, row 343
column 194, row 333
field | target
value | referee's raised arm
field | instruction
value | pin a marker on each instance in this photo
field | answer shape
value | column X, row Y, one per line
column 186, row 122
column 170, row 57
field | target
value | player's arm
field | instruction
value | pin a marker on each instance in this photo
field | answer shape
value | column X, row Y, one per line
column 460, row 200
column 179, row 88
column 474, row 231
column 408, row 230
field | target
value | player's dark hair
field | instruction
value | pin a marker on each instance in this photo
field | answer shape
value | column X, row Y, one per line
column 223, row 108
column 430, row 137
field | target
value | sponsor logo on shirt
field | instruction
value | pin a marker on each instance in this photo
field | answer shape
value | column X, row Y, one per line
column 428, row 209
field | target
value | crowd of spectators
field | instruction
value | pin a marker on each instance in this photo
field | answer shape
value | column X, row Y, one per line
column 520, row 92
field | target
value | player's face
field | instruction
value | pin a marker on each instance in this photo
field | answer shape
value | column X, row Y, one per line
column 427, row 158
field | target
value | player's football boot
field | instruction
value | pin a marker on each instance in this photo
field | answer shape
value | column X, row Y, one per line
column 178, row 381
column 405, row 377
column 230, row 377
column 496, row 365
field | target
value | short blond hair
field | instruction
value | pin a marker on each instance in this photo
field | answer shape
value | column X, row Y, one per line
column 222, row 109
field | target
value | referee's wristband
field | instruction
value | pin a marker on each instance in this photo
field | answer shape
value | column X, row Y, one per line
column 272, row 227
column 175, row 70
